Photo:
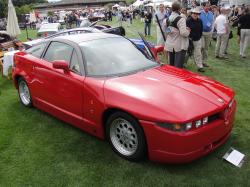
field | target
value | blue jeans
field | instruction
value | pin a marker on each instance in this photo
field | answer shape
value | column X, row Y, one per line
column 147, row 27
column 78, row 23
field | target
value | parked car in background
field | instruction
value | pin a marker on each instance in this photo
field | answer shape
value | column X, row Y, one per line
column 6, row 42
column 24, row 21
column 31, row 43
column 49, row 29
column 111, row 30
column 108, row 29
column 108, row 87
column 85, row 22
column 5, row 37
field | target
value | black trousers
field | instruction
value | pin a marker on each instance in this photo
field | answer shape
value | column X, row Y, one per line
column 177, row 59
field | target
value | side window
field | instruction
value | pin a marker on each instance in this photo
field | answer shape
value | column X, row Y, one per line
column 83, row 31
column 58, row 51
column 73, row 32
column 63, row 34
column 36, row 50
column 74, row 64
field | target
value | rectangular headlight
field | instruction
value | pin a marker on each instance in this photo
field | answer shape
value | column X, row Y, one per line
column 176, row 127
column 198, row 123
column 205, row 120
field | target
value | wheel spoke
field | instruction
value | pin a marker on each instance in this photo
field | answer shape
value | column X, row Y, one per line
column 24, row 93
column 123, row 136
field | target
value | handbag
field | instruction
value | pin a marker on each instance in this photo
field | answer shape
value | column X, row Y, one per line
column 231, row 35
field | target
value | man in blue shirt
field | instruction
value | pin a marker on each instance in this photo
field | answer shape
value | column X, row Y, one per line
column 207, row 19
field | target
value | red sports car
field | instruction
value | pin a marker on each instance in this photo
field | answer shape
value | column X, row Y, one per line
column 105, row 85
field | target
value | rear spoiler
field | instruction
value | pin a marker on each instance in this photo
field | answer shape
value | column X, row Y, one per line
column 94, row 23
column 115, row 30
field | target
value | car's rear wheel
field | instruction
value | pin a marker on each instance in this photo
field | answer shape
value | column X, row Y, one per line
column 126, row 136
column 24, row 93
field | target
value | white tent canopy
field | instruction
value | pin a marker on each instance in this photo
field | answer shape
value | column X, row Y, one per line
column 116, row 6
column 137, row 3
column 12, row 23
column 155, row 3
column 167, row 3
column 163, row 1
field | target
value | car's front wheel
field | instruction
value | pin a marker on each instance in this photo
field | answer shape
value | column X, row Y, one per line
column 24, row 93
column 126, row 136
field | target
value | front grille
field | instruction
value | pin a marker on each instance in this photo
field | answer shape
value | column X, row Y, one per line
column 213, row 117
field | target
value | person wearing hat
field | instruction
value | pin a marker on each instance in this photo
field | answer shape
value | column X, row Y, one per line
column 222, row 26
column 196, row 27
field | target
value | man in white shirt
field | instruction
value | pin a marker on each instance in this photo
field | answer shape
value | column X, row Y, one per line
column 161, row 16
column 222, row 27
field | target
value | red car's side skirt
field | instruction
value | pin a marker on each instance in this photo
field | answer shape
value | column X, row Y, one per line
column 77, row 121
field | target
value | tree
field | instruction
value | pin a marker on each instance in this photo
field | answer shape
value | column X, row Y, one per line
column 27, row 2
column 128, row 2
column 18, row 3
column 25, row 9
column 109, row 6
column 4, row 7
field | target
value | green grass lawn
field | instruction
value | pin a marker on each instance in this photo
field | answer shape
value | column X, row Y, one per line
column 38, row 150
column 30, row 33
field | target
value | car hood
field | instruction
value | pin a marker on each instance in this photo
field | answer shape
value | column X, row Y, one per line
column 166, row 93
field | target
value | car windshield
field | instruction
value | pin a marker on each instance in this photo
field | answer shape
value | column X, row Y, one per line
column 114, row 56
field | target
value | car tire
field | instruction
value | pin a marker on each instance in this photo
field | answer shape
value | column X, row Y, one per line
column 24, row 93
column 126, row 136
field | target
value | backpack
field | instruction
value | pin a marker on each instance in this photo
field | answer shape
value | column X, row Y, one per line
column 173, row 23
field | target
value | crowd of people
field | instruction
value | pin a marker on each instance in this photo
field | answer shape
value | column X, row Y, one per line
column 184, row 32
column 74, row 18
column 189, row 32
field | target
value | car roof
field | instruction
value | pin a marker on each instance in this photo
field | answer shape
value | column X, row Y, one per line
column 79, row 38
column 81, row 29
column 49, row 27
column 39, row 40
column 91, row 29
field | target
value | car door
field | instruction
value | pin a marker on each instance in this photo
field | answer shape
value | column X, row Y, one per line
column 59, row 92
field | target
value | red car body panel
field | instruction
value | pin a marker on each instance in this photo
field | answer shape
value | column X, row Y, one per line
column 161, row 94
column 173, row 147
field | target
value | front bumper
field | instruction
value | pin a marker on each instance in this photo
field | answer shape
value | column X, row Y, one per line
column 171, row 147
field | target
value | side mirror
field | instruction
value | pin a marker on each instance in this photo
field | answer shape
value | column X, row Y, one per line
column 159, row 48
column 61, row 64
